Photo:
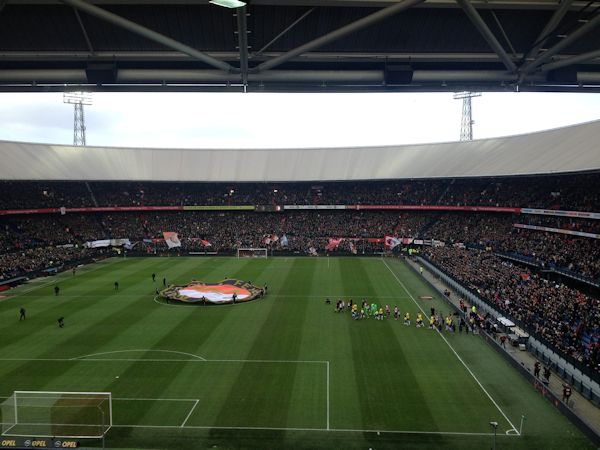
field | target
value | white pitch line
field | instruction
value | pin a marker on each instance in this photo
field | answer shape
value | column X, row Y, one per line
column 328, row 395
column 189, row 414
column 453, row 351
column 139, row 351
column 86, row 359
column 335, row 430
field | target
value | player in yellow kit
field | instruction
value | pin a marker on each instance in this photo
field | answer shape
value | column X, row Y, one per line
column 407, row 319
column 419, row 320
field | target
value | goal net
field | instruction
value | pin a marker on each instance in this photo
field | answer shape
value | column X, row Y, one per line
column 57, row 414
column 252, row 253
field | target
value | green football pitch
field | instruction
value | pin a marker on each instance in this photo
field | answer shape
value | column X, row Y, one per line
column 284, row 371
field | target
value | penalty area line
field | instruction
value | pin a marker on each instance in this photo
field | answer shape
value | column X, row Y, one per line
column 457, row 355
column 190, row 413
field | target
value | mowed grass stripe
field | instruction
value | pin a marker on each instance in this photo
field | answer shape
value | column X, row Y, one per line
column 254, row 400
column 242, row 322
column 386, row 382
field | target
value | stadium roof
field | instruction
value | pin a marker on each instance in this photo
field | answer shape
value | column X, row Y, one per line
column 561, row 150
column 300, row 45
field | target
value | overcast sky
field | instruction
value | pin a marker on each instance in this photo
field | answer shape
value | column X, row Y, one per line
column 285, row 120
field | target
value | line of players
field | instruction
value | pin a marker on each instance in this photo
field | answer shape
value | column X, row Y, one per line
column 366, row 311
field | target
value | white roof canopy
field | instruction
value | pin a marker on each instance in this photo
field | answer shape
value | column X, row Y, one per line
column 569, row 149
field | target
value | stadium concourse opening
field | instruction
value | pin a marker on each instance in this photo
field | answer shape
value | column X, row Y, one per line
column 226, row 292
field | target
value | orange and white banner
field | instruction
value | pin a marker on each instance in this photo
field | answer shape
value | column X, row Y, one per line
column 171, row 239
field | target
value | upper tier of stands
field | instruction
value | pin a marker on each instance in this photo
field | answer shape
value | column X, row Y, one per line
column 579, row 192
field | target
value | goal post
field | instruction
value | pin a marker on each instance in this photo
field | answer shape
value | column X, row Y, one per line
column 252, row 252
column 57, row 414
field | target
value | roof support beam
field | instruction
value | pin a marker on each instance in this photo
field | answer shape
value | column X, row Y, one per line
column 589, row 26
column 549, row 28
column 84, row 31
column 487, row 34
column 242, row 31
column 339, row 33
column 288, row 28
column 570, row 61
column 147, row 33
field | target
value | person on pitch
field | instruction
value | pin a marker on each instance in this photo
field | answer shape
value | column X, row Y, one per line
column 381, row 316
column 407, row 319
column 22, row 314
column 396, row 312
column 419, row 320
column 432, row 322
column 61, row 322
column 154, row 278
column 116, row 285
column 56, row 290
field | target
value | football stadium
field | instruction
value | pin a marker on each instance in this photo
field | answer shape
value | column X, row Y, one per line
column 418, row 295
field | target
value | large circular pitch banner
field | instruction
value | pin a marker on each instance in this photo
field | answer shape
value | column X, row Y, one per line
column 224, row 292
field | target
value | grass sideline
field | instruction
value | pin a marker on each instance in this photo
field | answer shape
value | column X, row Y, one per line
column 283, row 371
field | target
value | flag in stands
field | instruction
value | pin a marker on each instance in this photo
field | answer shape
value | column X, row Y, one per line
column 283, row 241
column 171, row 239
column 352, row 248
column 391, row 242
column 270, row 238
column 205, row 243
column 333, row 243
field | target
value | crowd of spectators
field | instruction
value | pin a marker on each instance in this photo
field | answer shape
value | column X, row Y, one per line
column 227, row 231
column 27, row 261
column 578, row 192
column 562, row 316
column 498, row 233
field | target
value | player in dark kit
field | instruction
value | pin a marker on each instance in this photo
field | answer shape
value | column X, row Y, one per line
column 56, row 290
column 536, row 369
column 116, row 285
column 61, row 322
column 164, row 282
column 566, row 393
column 153, row 277
column 21, row 314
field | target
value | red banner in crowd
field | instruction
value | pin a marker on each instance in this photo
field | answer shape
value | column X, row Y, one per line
column 333, row 243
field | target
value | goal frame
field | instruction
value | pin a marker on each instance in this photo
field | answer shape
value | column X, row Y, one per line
column 105, row 426
column 253, row 249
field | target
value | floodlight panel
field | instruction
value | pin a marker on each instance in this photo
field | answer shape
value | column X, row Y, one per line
column 74, row 98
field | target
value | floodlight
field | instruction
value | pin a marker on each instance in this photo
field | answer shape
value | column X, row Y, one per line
column 228, row 3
